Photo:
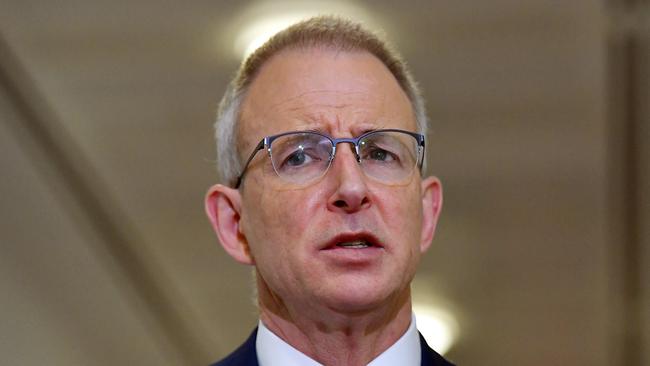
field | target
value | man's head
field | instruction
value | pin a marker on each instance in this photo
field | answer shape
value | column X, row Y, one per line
column 349, row 241
column 320, row 32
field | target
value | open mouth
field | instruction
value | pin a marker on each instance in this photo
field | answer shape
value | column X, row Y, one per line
column 355, row 244
column 353, row 241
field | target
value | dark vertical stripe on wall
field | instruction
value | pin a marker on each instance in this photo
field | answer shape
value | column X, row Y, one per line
column 632, row 248
column 624, row 173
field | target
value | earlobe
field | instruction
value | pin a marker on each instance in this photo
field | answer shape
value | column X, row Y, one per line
column 431, row 207
column 223, row 207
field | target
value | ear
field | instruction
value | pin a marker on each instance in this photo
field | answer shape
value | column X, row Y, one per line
column 223, row 206
column 431, row 207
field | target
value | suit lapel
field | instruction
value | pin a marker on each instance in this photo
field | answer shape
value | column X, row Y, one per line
column 245, row 355
column 431, row 357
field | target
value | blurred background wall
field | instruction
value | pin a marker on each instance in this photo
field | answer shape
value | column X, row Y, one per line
column 540, row 134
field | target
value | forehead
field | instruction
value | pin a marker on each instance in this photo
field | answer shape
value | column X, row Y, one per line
column 340, row 93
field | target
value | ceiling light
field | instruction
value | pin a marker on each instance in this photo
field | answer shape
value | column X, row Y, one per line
column 438, row 327
column 259, row 32
column 265, row 19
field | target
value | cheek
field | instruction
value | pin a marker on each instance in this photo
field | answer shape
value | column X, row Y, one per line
column 403, row 216
column 278, row 225
column 406, row 201
column 284, row 212
column 275, row 221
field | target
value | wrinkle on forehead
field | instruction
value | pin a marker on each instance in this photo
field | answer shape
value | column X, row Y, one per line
column 348, row 113
column 335, row 93
column 309, row 104
column 317, row 109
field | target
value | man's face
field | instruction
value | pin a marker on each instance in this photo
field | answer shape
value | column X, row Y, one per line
column 292, row 232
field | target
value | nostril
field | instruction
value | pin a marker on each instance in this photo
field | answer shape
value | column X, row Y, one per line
column 344, row 203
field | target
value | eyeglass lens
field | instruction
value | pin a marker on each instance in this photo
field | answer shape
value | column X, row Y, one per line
column 301, row 157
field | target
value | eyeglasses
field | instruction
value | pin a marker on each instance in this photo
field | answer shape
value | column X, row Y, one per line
column 302, row 157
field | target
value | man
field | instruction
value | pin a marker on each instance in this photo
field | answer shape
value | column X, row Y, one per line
column 320, row 141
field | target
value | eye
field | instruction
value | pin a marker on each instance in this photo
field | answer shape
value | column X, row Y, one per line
column 297, row 158
column 379, row 154
column 300, row 157
column 376, row 153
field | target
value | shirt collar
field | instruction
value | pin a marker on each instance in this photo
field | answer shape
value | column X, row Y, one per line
column 273, row 351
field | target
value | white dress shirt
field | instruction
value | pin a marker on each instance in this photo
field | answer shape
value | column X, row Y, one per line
column 273, row 351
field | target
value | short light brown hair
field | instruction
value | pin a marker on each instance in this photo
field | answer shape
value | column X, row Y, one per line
column 324, row 32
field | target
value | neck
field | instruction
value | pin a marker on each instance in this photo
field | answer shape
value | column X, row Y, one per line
column 335, row 337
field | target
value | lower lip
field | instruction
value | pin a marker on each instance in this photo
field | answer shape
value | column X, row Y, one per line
column 353, row 255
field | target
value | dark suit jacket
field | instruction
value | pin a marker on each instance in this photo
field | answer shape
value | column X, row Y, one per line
column 246, row 355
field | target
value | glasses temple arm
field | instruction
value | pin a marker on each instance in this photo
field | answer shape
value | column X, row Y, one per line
column 422, row 156
column 259, row 147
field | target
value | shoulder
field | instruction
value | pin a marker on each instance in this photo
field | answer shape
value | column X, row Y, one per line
column 431, row 357
column 245, row 355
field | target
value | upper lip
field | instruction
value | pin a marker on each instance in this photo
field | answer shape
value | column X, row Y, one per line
column 348, row 237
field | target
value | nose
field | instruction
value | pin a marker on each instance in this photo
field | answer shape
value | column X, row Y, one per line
column 351, row 192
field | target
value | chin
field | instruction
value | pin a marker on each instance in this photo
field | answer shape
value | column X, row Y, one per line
column 358, row 299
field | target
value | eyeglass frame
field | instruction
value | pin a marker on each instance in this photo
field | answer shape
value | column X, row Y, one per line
column 268, row 140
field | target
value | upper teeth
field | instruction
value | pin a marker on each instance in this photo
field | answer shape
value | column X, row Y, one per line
column 354, row 244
